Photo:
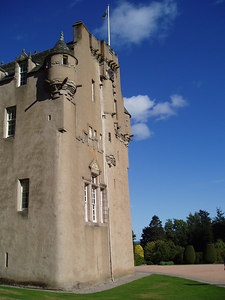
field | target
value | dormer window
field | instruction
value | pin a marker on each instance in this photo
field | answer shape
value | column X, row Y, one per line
column 23, row 73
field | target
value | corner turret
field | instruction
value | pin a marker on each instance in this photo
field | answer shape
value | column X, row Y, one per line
column 61, row 65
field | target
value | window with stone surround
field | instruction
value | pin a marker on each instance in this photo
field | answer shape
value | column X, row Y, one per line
column 23, row 194
column 95, row 201
column 23, row 73
column 10, row 121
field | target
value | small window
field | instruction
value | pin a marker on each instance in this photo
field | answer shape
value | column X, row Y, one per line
column 6, row 260
column 90, row 132
column 115, row 107
column 23, row 194
column 65, row 60
column 93, row 90
column 94, row 179
column 23, row 73
column 109, row 137
column 10, row 121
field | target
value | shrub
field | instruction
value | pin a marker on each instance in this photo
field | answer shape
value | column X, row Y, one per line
column 159, row 251
column 149, row 253
column 210, row 254
column 138, row 255
column 220, row 250
column 166, row 263
column 198, row 257
column 189, row 254
column 179, row 256
column 138, row 260
column 138, row 250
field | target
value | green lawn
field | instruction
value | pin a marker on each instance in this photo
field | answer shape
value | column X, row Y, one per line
column 151, row 287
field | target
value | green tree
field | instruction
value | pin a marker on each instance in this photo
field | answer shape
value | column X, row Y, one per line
column 220, row 250
column 189, row 254
column 158, row 251
column 218, row 226
column 177, row 231
column 199, row 230
column 153, row 232
column 210, row 254
column 169, row 230
column 179, row 256
column 149, row 251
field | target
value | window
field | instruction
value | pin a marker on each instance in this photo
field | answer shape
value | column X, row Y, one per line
column 6, row 260
column 65, row 60
column 95, row 210
column 23, row 73
column 94, row 204
column 93, row 90
column 90, row 132
column 115, row 107
column 86, row 202
column 109, row 136
column 23, row 194
column 11, row 121
column 101, row 206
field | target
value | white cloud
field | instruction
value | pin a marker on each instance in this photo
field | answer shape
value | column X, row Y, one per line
column 142, row 108
column 141, row 131
column 133, row 23
column 139, row 107
column 178, row 101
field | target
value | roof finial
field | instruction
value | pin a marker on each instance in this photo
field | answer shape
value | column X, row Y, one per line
column 61, row 36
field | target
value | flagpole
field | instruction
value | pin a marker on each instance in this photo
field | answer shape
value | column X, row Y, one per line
column 108, row 25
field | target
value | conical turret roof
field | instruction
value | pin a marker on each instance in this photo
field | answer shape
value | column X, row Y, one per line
column 61, row 46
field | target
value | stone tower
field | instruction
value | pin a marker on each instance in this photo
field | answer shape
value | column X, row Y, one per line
column 64, row 197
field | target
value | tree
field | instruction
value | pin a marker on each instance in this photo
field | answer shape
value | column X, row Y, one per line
column 153, row 232
column 189, row 254
column 133, row 237
column 149, row 251
column 169, row 230
column 218, row 226
column 158, row 251
column 220, row 250
column 177, row 231
column 210, row 254
column 199, row 230
column 179, row 257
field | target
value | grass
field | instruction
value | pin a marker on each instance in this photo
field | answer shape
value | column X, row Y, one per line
column 151, row 287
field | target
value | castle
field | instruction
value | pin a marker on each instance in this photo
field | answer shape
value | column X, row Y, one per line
column 64, row 196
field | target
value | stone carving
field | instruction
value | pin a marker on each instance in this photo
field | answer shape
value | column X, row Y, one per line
column 65, row 87
column 111, row 161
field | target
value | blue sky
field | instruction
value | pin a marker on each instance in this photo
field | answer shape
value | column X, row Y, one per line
column 172, row 58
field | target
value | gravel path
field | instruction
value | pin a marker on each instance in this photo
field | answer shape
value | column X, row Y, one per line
column 212, row 274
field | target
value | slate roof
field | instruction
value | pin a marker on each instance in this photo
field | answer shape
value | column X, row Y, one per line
column 38, row 58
